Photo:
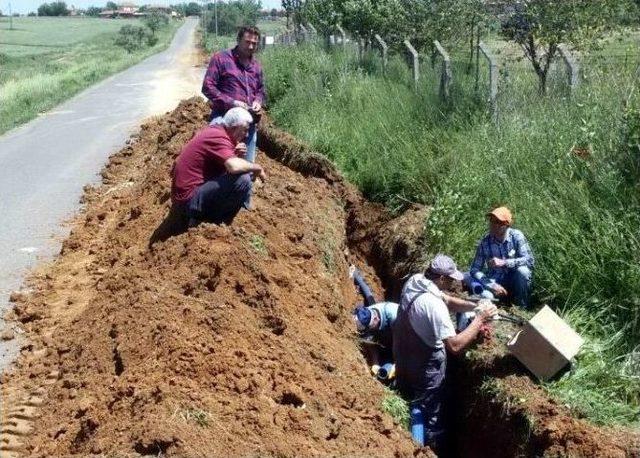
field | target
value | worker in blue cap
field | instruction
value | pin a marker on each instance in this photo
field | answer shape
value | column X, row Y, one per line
column 374, row 321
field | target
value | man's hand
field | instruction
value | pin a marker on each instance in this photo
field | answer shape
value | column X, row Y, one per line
column 499, row 290
column 486, row 311
column 256, row 108
column 259, row 173
column 497, row 263
column 238, row 103
column 241, row 149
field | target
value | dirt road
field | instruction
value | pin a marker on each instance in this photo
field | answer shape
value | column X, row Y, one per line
column 45, row 163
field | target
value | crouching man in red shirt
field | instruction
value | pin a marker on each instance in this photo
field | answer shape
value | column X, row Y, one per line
column 210, row 178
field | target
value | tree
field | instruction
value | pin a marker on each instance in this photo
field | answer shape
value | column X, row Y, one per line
column 192, row 9
column 155, row 21
column 53, row 9
column 540, row 26
column 94, row 11
column 233, row 15
column 111, row 6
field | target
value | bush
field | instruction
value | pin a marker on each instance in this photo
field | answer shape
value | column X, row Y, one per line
column 134, row 37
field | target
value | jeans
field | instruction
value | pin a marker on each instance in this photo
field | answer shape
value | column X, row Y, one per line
column 430, row 398
column 364, row 289
column 252, row 138
column 219, row 200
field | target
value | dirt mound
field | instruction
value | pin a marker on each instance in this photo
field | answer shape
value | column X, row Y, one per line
column 219, row 341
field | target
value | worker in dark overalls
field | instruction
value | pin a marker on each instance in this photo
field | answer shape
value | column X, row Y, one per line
column 423, row 334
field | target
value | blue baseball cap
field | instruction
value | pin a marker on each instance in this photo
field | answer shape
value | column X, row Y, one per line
column 362, row 317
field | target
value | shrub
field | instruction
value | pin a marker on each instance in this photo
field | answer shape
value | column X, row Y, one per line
column 134, row 37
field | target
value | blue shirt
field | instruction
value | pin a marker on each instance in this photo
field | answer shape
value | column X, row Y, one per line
column 514, row 249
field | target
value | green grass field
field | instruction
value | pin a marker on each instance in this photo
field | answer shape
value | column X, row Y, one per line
column 581, row 215
column 44, row 61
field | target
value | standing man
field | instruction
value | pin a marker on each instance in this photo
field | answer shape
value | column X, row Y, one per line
column 423, row 334
column 234, row 79
column 210, row 178
column 508, row 259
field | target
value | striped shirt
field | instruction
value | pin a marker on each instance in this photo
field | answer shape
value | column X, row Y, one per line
column 227, row 80
column 514, row 249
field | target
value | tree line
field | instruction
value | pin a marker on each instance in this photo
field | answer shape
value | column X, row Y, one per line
column 539, row 27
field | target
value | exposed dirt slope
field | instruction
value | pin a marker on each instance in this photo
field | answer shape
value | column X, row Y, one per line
column 222, row 341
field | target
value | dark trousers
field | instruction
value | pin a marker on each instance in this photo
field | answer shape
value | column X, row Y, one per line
column 219, row 200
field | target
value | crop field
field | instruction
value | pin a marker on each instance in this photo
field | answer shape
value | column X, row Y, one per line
column 44, row 61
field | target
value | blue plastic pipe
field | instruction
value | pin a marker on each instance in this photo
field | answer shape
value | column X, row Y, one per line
column 417, row 425
column 476, row 287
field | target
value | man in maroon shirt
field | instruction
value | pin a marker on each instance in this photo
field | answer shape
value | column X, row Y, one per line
column 210, row 178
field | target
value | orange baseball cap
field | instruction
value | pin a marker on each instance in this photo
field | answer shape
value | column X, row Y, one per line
column 502, row 214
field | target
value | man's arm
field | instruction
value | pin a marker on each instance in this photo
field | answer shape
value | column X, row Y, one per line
column 236, row 165
column 456, row 344
column 210, row 85
column 456, row 304
column 524, row 255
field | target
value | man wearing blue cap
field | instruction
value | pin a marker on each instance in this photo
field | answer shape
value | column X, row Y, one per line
column 374, row 321
column 423, row 334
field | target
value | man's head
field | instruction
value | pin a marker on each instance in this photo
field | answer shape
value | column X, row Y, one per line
column 248, row 39
column 442, row 271
column 366, row 319
column 236, row 121
column 499, row 220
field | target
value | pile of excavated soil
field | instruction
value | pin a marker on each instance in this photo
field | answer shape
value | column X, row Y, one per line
column 235, row 341
column 221, row 341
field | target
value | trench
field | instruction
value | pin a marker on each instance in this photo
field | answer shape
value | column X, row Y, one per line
column 494, row 406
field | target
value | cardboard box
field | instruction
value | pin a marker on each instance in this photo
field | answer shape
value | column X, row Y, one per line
column 545, row 344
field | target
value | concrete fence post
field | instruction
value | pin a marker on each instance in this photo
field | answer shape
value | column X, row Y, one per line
column 446, row 74
column 304, row 31
column 572, row 67
column 384, row 49
column 493, row 80
column 415, row 63
column 343, row 36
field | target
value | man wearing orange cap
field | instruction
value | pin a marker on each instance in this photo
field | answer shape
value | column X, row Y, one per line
column 508, row 259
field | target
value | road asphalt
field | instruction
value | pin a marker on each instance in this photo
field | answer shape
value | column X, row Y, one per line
column 45, row 163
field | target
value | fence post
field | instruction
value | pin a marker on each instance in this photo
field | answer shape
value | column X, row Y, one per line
column 303, row 29
column 343, row 36
column 446, row 75
column 383, row 50
column 360, row 49
column 312, row 28
column 414, row 62
column 572, row 67
column 493, row 80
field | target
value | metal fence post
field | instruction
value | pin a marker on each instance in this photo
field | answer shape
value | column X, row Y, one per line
column 343, row 36
column 445, row 75
column 493, row 80
column 414, row 62
column 383, row 50
column 572, row 67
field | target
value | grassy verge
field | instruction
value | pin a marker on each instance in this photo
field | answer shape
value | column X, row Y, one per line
column 581, row 214
column 42, row 66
